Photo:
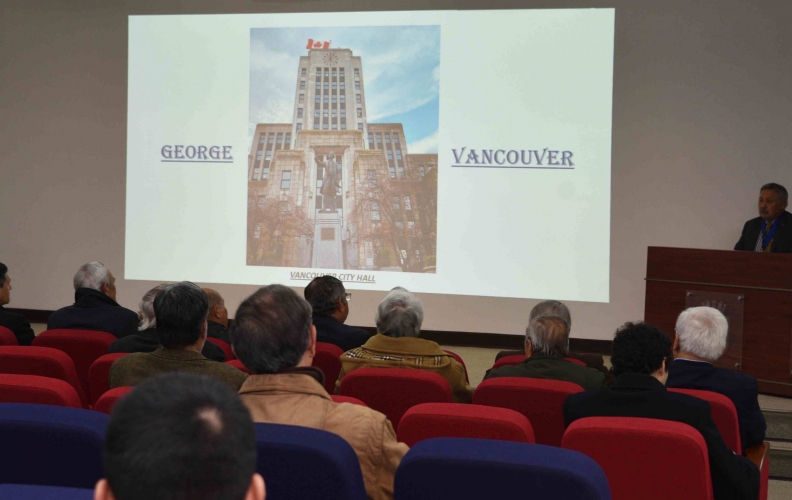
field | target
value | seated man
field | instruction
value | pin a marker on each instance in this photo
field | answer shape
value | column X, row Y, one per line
column 180, row 436
column 95, row 307
column 701, row 340
column 17, row 323
column 147, row 338
column 180, row 311
column 546, row 346
column 328, row 298
column 218, row 317
column 641, row 355
column 772, row 230
column 396, row 345
column 274, row 339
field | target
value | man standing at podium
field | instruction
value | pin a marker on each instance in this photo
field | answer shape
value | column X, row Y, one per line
column 772, row 230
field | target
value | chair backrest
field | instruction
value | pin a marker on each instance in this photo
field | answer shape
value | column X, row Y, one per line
column 482, row 468
column 393, row 391
column 347, row 399
column 724, row 414
column 540, row 400
column 84, row 347
column 48, row 445
column 576, row 361
column 238, row 364
column 679, row 465
column 33, row 492
column 328, row 360
column 99, row 374
column 38, row 390
column 222, row 344
column 460, row 361
column 305, row 463
column 44, row 362
column 433, row 420
column 515, row 359
column 7, row 337
column 107, row 400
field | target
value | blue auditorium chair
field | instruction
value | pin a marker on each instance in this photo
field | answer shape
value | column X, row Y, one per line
column 34, row 492
column 51, row 445
column 307, row 464
column 484, row 468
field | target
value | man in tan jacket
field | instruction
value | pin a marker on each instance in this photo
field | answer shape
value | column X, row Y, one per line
column 274, row 338
column 396, row 345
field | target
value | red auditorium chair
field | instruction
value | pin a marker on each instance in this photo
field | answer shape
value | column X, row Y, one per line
column 347, row 399
column 238, row 364
column 84, row 347
column 328, row 360
column 460, row 361
column 37, row 390
column 44, row 362
column 110, row 398
column 7, row 337
column 393, row 391
column 222, row 344
column 621, row 445
column 540, row 400
column 515, row 359
column 99, row 374
column 433, row 420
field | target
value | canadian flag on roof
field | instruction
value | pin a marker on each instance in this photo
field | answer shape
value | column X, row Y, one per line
column 315, row 44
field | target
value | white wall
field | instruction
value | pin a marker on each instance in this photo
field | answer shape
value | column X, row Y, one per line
column 701, row 119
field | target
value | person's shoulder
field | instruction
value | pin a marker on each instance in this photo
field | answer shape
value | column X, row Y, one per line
column 357, row 416
column 731, row 380
column 687, row 403
column 131, row 359
column 10, row 317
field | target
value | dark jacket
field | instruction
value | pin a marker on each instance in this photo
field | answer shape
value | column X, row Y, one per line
column 332, row 331
column 633, row 395
column 740, row 388
column 93, row 310
column 218, row 331
column 552, row 368
column 148, row 341
column 17, row 324
column 782, row 241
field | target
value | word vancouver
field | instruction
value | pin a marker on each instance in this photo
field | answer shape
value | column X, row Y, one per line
column 551, row 157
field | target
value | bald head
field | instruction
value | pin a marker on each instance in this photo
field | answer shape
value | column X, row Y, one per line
column 217, row 309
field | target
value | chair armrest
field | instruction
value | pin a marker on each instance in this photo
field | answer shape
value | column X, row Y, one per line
column 758, row 454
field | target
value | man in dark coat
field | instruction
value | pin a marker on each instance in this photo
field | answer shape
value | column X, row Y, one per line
column 17, row 323
column 330, row 304
column 772, row 230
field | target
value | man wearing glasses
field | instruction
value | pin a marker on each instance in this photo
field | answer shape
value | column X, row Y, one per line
column 330, row 303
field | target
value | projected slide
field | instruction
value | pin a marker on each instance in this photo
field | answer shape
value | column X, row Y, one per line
column 447, row 152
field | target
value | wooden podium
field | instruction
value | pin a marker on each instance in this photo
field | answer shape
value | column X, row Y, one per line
column 753, row 289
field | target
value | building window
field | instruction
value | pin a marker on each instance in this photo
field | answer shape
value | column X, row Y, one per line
column 357, row 85
column 326, row 99
column 335, row 99
column 398, row 154
column 302, row 98
column 280, row 137
column 335, row 126
column 375, row 214
column 400, row 225
column 318, row 98
column 360, row 112
column 395, row 201
column 395, row 138
column 387, row 138
column 411, row 227
column 343, row 126
column 341, row 86
column 316, row 112
column 407, row 203
column 302, row 85
column 379, row 138
column 334, row 114
column 325, row 112
column 360, row 127
column 327, row 73
column 341, row 72
column 287, row 143
column 269, row 155
column 357, row 74
column 390, row 154
column 259, row 155
column 272, row 138
column 343, row 99
column 343, row 112
column 391, row 171
column 265, row 174
column 334, row 86
column 256, row 172
column 262, row 138
column 302, row 72
column 401, row 171
column 286, row 179
column 299, row 112
column 316, row 124
column 299, row 127
column 326, row 85
column 324, row 126
column 357, row 98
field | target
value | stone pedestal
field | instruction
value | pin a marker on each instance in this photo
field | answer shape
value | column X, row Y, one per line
column 328, row 250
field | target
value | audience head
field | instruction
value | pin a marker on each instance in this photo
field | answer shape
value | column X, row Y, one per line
column 96, row 276
column 702, row 331
column 180, row 436
column 772, row 201
column 181, row 310
column 551, row 308
column 547, row 335
column 400, row 314
column 146, row 308
column 273, row 331
column 327, row 297
column 5, row 285
column 642, row 349
column 217, row 309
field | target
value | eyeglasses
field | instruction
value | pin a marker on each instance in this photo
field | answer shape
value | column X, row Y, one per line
column 348, row 296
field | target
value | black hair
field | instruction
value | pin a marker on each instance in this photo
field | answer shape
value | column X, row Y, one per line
column 181, row 310
column 271, row 329
column 180, row 436
column 323, row 294
column 3, row 272
column 640, row 348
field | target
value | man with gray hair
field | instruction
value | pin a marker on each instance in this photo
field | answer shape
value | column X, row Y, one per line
column 396, row 345
column 546, row 346
column 701, row 338
column 95, row 306
column 772, row 230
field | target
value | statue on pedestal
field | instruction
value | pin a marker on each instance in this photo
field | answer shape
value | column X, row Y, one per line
column 330, row 184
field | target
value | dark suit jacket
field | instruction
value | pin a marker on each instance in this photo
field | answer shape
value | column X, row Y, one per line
column 17, row 324
column 218, row 331
column 93, row 310
column 332, row 331
column 740, row 388
column 547, row 367
column 782, row 241
column 148, row 341
column 734, row 477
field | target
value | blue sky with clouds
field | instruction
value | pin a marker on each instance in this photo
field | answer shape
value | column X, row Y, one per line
column 401, row 66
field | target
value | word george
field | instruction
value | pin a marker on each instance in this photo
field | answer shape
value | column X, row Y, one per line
column 485, row 157
column 180, row 152
column 317, row 44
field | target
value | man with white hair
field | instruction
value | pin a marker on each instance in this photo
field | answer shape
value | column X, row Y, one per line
column 700, row 341
column 95, row 307
column 396, row 345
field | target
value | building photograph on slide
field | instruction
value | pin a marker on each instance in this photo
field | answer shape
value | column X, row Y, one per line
column 343, row 131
